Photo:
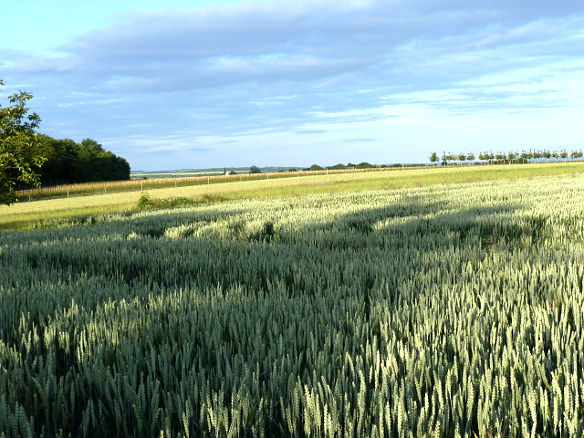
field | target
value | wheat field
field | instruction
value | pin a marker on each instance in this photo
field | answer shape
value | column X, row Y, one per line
column 427, row 311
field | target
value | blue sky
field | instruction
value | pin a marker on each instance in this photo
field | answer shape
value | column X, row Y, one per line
column 193, row 84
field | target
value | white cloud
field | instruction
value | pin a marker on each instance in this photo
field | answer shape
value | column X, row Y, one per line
column 287, row 72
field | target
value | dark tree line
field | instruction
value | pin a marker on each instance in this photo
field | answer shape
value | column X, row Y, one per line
column 28, row 159
column 70, row 162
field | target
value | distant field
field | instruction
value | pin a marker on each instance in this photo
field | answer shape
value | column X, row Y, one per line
column 164, row 180
column 203, row 172
column 25, row 215
column 150, row 175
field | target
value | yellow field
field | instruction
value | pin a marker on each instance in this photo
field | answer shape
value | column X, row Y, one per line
column 15, row 216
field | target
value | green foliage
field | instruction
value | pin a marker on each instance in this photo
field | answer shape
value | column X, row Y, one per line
column 315, row 167
column 23, row 152
column 71, row 162
column 254, row 169
column 20, row 157
column 145, row 202
column 436, row 311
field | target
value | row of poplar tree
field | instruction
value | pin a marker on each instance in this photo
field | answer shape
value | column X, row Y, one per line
column 506, row 157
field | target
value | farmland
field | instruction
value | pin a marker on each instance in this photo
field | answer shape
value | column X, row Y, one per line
column 122, row 196
column 361, row 306
column 162, row 180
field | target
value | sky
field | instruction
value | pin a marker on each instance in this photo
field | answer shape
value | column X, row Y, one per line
column 182, row 84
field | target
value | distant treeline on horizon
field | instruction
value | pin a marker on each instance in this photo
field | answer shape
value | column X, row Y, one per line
column 502, row 157
column 339, row 166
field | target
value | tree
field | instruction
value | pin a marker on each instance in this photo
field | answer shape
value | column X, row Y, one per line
column 444, row 158
column 94, row 163
column 500, row 156
column 254, row 169
column 470, row 156
column 61, row 158
column 20, row 155
column 434, row 157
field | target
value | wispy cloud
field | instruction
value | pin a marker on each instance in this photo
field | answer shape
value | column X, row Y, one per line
column 259, row 69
